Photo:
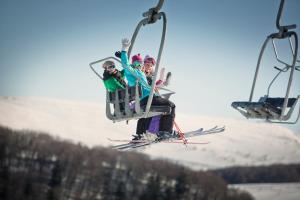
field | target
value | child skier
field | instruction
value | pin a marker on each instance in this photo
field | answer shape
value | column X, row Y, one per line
column 166, row 121
column 113, row 79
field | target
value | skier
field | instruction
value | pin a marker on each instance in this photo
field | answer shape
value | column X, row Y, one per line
column 166, row 121
column 113, row 79
column 152, row 124
column 147, row 68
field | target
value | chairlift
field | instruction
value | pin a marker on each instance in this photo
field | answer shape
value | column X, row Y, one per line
column 278, row 109
column 132, row 94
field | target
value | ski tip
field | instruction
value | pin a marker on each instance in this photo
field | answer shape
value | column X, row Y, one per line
column 200, row 129
column 220, row 128
column 223, row 128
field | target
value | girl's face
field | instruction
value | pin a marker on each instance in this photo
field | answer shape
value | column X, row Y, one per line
column 147, row 68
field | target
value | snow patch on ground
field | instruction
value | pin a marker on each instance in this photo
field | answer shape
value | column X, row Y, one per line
column 282, row 191
column 243, row 143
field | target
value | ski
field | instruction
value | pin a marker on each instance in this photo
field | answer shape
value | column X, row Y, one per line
column 128, row 142
column 200, row 132
column 135, row 144
column 175, row 141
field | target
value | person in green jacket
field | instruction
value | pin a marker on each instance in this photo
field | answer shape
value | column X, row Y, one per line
column 113, row 79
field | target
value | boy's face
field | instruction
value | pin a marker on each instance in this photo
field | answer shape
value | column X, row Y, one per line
column 110, row 68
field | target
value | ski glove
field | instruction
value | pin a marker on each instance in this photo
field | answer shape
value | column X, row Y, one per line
column 118, row 54
column 125, row 44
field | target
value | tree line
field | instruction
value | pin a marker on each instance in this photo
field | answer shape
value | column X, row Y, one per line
column 276, row 173
column 36, row 166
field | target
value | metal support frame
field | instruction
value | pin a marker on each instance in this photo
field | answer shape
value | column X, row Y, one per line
column 99, row 61
column 292, row 67
column 152, row 16
column 283, row 33
column 116, row 115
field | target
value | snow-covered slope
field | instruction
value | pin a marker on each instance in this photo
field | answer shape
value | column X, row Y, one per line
column 243, row 142
column 275, row 191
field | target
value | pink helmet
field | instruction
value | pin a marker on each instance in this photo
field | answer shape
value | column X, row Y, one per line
column 137, row 57
column 149, row 59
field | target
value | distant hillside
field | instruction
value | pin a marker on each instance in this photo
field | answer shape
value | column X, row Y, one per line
column 278, row 173
column 243, row 143
column 34, row 166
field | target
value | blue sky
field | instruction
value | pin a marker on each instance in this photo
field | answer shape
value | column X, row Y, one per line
column 211, row 48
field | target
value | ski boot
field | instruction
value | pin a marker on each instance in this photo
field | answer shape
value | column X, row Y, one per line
column 175, row 134
column 164, row 135
column 150, row 136
column 137, row 137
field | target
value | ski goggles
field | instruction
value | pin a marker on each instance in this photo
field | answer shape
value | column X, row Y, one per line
column 136, row 64
column 110, row 67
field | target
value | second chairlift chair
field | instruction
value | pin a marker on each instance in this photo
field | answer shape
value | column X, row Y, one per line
column 280, row 109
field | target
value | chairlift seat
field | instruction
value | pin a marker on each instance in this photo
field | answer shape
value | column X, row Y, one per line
column 124, row 111
column 265, row 108
column 161, row 109
column 278, row 102
column 122, row 94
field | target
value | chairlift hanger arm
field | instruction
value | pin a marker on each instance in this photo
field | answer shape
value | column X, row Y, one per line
column 136, row 31
column 162, row 41
column 144, row 22
column 151, row 17
column 258, row 66
column 293, row 66
column 279, row 14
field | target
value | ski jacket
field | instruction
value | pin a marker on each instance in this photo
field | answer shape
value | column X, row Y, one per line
column 132, row 74
column 114, row 81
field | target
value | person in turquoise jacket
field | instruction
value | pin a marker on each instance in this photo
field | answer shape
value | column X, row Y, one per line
column 134, row 72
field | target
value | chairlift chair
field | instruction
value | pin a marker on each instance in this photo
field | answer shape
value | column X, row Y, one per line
column 129, row 94
column 279, row 109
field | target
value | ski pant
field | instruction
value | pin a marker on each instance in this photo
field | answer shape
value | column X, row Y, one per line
column 166, row 121
column 142, row 125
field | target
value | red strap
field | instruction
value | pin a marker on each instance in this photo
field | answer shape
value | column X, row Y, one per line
column 181, row 134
